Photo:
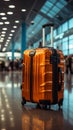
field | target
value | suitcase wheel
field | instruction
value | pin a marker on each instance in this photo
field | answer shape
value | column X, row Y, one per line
column 23, row 101
column 38, row 106
column 44, row 104
column 41, row 106
column 60, row 103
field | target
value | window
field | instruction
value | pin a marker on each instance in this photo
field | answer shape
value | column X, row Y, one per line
column 56, row 44
column 65, row 44
column 65, row 27
column 71, row 44
column 70, row 37
column 65, row 52
column 71, row 23
column 71, row 51
column 55, row 32
column 59, row 30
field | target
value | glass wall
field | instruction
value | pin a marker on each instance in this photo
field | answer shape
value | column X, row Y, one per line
column 62, row 40
column 71, row 44
column 65, row 46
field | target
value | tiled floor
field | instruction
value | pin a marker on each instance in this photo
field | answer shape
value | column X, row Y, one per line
column 15, row 117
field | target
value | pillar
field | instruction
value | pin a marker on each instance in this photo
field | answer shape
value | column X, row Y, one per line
column 23, row 39
column 13, row 49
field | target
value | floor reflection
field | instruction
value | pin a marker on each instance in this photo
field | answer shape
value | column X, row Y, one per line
column 44, row 120
column 15, row 117
column 7, row 79
column 68, row 99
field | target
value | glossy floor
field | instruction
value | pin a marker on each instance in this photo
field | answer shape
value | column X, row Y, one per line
column 15, row 117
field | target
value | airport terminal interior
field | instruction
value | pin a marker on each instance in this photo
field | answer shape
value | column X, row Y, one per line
column 21, row 23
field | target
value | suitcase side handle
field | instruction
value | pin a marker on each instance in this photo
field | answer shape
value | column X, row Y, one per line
column 59, row 78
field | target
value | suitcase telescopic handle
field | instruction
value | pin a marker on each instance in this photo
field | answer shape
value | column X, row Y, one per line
column 48, row 25
column 43, row 31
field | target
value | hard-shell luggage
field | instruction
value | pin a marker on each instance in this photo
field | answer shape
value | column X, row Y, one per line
column 43, row 75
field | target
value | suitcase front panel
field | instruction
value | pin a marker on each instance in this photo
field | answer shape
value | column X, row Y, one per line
column 38, row 72
column 42, row 75
column 38, row 76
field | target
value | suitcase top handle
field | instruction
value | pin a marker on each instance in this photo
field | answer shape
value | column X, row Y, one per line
column 48, row 25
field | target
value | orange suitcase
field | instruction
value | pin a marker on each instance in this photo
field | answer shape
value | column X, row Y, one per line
column 43, row 76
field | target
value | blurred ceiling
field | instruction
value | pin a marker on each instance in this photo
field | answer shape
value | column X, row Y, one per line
column 14, row 12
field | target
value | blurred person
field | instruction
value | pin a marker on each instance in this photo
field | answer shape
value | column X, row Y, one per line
column 20, row 64
column 12, row 65
column 16, row 64
column 7, row 65
column 69, row 64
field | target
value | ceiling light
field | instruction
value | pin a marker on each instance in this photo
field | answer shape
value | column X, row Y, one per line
column 4, row 49
column 2, row 14
column 14, row 26
column 6, row 0
column 6, row 44
column 12, row 30
column 4, row 18
column 17, row 21
column 9, row 37
column 8, row 40
column 3, row 35
column 32, row 22
column 10, row 34
column 3, row 32
column 11, row 6
column 1, row 23
column 23, row 10
column 1, row 40
column 7, row 22
column 4, row 28
column 0, row 46
column 10, row 13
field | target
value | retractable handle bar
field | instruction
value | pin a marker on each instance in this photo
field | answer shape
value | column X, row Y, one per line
column 43, row 31
column 48, row 25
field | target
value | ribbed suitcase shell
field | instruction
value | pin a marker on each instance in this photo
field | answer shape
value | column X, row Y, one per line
column 37, row 80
